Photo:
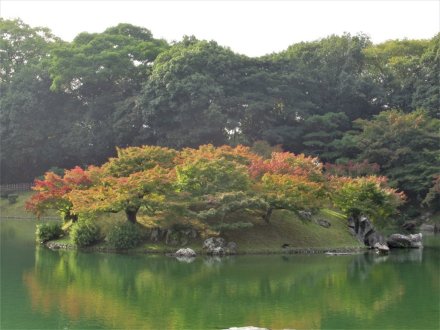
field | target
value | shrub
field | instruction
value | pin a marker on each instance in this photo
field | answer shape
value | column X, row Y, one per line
column 48, row 231
column 84, row 233
column 124, row 236
column 12, row 198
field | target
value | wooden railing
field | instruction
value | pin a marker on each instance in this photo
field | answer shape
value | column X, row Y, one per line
column 15, row 187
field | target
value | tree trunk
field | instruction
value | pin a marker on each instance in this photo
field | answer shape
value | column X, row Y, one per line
column 131, row 214
column 69, row 216
column 268, row 214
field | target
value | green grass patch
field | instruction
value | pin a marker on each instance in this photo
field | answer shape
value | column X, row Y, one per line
column 286, row 228
column 17, row 209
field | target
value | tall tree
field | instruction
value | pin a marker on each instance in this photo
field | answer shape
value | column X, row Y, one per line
column 427, row 86
column 395, row 67
column 404, row 145
column 105, row 71
column 33, row 120
column 191, row 96
column 22, row 45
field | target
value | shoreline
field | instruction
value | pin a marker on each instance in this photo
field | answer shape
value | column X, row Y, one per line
column 335, row 251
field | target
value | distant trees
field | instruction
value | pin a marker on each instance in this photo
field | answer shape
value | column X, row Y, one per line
column 404, row 145
column 71, row 103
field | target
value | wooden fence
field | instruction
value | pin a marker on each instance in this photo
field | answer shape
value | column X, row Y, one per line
column 15, row 187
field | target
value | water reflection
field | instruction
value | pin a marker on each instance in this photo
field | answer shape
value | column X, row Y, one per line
column 301, row 292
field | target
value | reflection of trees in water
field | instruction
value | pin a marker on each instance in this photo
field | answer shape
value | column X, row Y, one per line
column 156, row 292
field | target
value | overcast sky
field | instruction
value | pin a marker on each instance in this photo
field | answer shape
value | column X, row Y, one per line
column 248, row 27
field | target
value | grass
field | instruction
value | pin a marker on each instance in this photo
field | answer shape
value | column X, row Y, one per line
column 285, row 228
column 17, row 209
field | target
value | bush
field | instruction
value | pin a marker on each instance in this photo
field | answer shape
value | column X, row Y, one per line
column 48, row 231
column 84, row 233
column 12, row 198
column 124, row 236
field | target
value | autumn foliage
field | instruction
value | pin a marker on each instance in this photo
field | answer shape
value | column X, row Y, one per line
column 209, row 184
column 52, row 192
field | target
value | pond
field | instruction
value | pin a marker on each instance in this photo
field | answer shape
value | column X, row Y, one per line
column 44, row 289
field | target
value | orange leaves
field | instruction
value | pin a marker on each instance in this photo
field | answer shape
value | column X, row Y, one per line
column 136, row 159
column 53, row 189
column 367, row 195
column 287, row 163
column 292, row 191
column 151, row 177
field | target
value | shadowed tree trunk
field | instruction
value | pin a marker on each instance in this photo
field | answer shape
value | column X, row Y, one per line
column 69, row 216
column 131, row 214
column 268, row 214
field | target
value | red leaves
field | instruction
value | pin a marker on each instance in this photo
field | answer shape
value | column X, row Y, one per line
column 53, row 189
column 352, row 169
column 286, row 163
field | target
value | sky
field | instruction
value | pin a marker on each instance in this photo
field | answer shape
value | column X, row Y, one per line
column 248, row 27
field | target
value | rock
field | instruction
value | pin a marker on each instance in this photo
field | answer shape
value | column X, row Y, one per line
column 156, row 234
column 381, row 248
column 409, row 225
column 426, row 216
column 405, row 241
column 231, row 248
column 247, row 328
column 364, row 231
column 365, row 228
column 218, row 251
column 426, row 227
column 214, row 242
column 323, row 223
column 374, row 238
column 306, row 215
column 185, row 252
column 172, row 237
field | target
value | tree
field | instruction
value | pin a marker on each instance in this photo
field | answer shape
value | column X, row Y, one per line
column 368, row 196
column 33, row 120
column 146, row 189
column 34, row 124
column 136, row 159
column 288, row 181
column 331, row 75
column 52, row 192
column 288, row 163
column 190, row 98
column 22, row 46
column 321, row 131
column 105, row 71
column 291, row 192
column 139, row 177
column 427, row 89
column 395, row 67
column 404, row 145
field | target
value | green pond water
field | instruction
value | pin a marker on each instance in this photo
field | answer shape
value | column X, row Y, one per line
column 44, row 289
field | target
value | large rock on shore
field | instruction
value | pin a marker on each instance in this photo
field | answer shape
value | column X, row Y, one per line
column 405, row 241
column 214, row 246
column 363, row 229
column 185, row 252
column 217, row 246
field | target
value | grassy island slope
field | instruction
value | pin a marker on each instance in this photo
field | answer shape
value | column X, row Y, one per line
column 285, row 228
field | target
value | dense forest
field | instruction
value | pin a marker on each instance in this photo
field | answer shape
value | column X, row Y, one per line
column 360, row 107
